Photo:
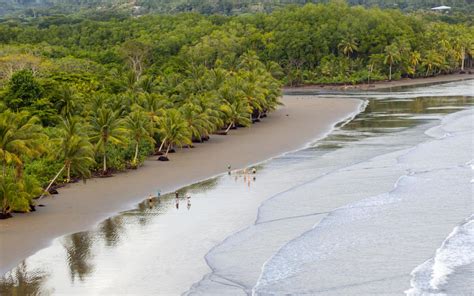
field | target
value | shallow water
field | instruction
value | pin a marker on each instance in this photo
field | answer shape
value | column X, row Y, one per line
column 381, row 206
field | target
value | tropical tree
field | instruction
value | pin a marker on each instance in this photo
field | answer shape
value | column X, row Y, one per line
column 238, row 112
column 72, row 146
column 154, row 105
column 75, row 149
column 23, row 90
column 198, row 120
column 173, row 130
column 17, row 193
column 20, row 135
column 139, row 128
column 415, row 58
column 106, row 128
column 392, row 56
column 209, row 104
column 136, row 53
column 348, row 46
column 432, row 60
column 462, row 46
column 31, row 189
column 11, row 195
column 66, row 103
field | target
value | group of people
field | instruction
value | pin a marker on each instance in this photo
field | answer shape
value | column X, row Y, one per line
column 247, row 179
column 188, row 200
column 151, row 199
column 249, row 175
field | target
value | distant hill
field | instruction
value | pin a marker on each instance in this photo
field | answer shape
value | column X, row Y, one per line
column 227, row 7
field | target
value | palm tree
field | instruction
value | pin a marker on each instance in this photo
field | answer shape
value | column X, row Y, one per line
column 461, row 47
column 154, row 105
column 140, row 128
column 31, row 188
column 432, row 60
column 254, row 91
column 392, row 56
column 106, row 127
column 198, row 121
column 348, row 46
column 16, row 194
column 249, row 61
column 74, row 149
column 174, row 130
column 11, row 195
column 210, row 106
column 20, row 135
column 238, row 112
column 147, row 84
column 67, row 102
column 415, row 58
column 214, row 78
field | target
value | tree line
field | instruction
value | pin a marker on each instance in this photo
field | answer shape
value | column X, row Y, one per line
column 34, row 8
column 82, row 97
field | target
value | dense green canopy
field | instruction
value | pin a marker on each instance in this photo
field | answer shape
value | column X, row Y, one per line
column 227, row 7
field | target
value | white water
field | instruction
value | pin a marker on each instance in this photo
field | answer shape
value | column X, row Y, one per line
column 371, row 212
column 455, row 252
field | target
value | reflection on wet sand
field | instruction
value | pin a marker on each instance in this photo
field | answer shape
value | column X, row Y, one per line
column 24, row 281
column 111, row 229
column 79, row 255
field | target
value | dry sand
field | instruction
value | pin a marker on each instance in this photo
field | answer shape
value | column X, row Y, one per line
column 379, row 85
column 80, row 206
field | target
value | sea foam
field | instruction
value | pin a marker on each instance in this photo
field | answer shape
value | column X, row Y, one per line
column 456, row 251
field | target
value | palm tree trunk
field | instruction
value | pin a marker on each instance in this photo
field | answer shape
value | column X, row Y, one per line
column 167, row 150
column 162, row 144
column 136, row 154
column 68, row 173
column 390, row 72
column 228, row 128
column 462, row 60
column 104, row 168
column 52, row 181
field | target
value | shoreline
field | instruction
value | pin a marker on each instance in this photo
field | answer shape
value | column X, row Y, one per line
column 382, row 85
column 80, row 206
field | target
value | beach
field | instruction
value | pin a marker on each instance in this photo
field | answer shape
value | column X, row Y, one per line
column 384, row 85
column 80, row 206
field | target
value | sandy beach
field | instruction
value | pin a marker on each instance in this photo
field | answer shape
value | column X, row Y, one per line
column 80, row 206
column 382, row 85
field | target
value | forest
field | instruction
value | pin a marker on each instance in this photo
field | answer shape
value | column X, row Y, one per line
column 83, row 97
column 226, row 7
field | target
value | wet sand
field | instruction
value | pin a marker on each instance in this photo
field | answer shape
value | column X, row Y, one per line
column 80, row 206
column 382, row 85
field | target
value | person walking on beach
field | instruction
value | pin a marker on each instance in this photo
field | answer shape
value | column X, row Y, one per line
column 229, row 168
column 188, row 197
column 254, row 171
column 177, row 194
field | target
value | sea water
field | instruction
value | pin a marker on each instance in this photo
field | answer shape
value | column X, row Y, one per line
column 383, row 205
